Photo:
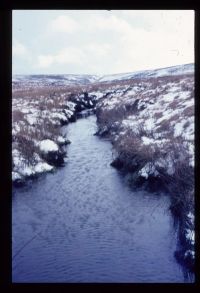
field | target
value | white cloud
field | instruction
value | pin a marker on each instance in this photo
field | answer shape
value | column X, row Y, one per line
column 45, row 61
column 74, row 55
column 67, row 55
column 19, row 49
column 160, row 20
column 142, row 50
column 148, row 39
column 64, row 24
column 111, row 22
column 98, row 50
column 109, row 42
column 161, row 39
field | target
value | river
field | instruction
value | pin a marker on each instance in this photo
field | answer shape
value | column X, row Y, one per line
column 83, row 223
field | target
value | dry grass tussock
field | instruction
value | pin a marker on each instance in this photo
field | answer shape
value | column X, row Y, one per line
column 44, row 91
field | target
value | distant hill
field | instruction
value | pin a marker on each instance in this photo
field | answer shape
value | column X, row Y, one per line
column 84, row 79
column 55, row 79
column 173, row 70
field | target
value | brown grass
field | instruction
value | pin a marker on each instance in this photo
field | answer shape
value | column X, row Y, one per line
column 17, row 115
column 188, row 111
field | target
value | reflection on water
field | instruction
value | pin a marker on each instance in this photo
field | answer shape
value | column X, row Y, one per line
column 84, row 224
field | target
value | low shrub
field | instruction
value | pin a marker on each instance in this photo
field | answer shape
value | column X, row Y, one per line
column 17, row 115
column 27, row 148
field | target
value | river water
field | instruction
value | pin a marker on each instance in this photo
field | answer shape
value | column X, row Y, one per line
column 84, row 224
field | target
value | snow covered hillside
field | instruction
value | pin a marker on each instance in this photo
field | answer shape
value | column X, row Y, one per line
column 169, row 71
column 52, row 80
column 86, row 79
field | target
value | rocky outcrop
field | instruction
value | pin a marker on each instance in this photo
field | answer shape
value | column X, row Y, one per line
column 55, row 158
column 82, row 101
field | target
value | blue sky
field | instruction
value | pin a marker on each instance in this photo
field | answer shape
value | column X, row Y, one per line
column 99, row 41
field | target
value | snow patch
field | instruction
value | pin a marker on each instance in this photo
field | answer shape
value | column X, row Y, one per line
column 190, row 235
column 147, row 170
column 48, row 145
column 61, row 139
column 16, row 176
column 59, row 116
column 147, row 140
column 43, row 167
column 31, row 119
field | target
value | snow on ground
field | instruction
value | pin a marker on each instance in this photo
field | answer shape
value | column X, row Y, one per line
column 61, row 140
column 21, row 170
column 155, row 107
column 55, row 80
column 147, row 170
column 71, row 106
column 174, row 70
column 155, row 119
column 31, row 118
column 59, row 116
column 190, row 236
column 159, row 115
column 38, row 112
column 35, row 125
column 165, row 107
column 97, row 94
column 16, row 176
column 48, row 145
column 179, row 128
column 69, row 113
column 43, row 167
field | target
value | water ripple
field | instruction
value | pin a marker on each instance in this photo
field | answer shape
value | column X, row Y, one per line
column 91, row 227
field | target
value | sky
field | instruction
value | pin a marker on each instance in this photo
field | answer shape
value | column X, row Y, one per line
column 99, row 41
